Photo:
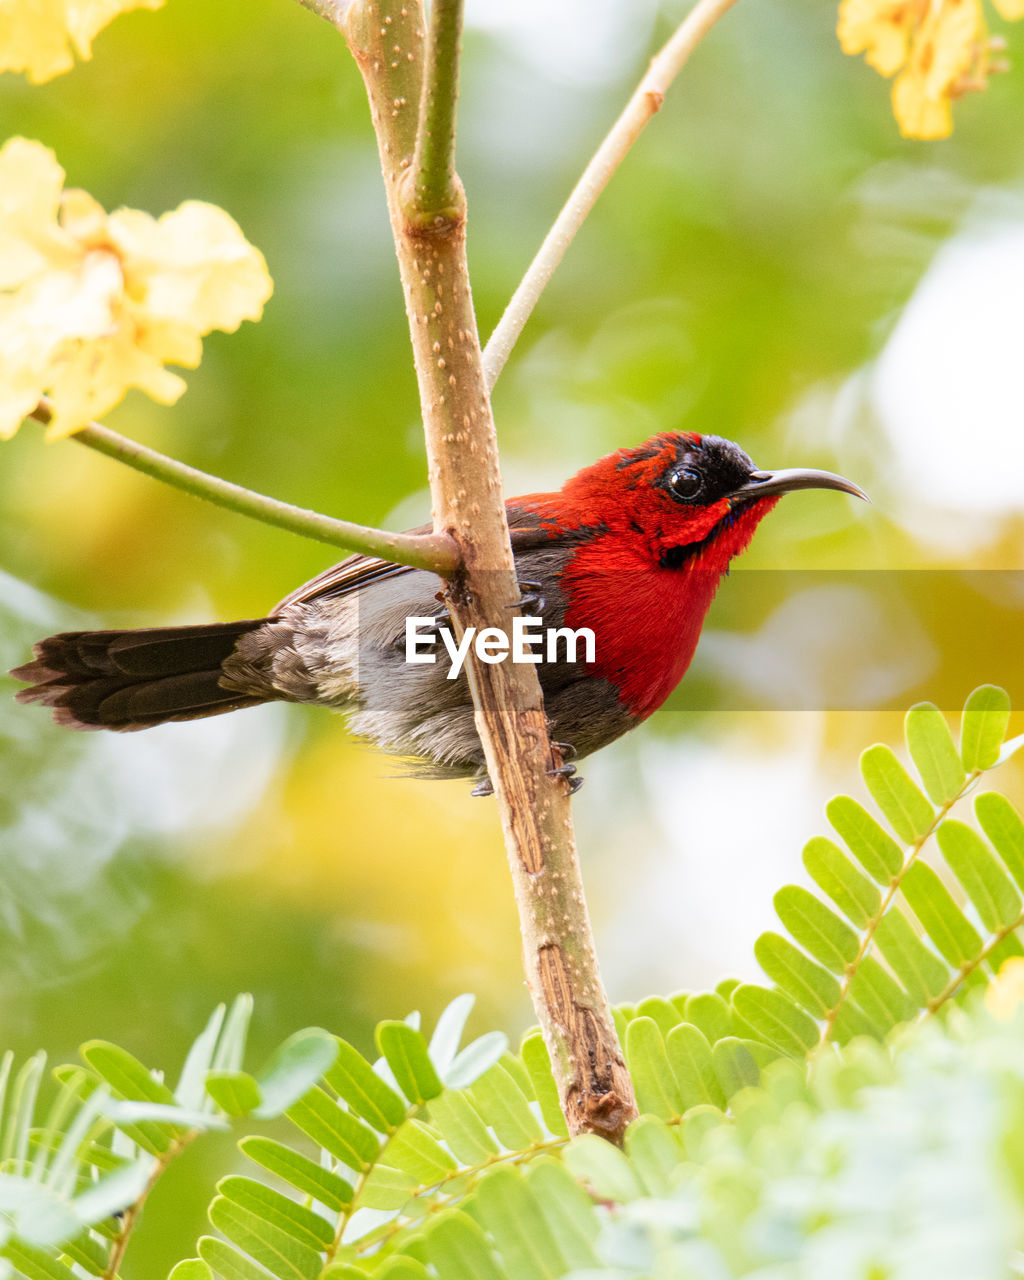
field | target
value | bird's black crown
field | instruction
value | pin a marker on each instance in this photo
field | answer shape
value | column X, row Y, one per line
column 704, row 469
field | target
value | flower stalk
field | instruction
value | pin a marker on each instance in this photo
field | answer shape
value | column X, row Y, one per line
column 421, row 551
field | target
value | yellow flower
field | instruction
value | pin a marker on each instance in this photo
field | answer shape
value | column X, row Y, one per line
column 1005, row 993
column 94, row 303
column 37, row 36
column 947, row 45
column 1010, row 10
column 880, row 29
column 939, row 47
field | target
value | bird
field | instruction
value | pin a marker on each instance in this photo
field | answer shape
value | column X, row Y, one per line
column 631, row 549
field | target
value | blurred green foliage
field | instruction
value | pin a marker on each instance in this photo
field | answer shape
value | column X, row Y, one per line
column 755, row 251
column 862, row 1111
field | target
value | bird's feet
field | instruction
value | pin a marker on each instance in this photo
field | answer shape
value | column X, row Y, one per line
column 437, row 620
column 568, row 772
column 485, row 787
column 531, row 601
column 440, row 618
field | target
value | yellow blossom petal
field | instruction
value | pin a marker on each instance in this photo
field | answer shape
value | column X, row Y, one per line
column 170, row 342
column 945, row 48
column 195, row 264
column 938, row 46
column 1005, row 993
column 918, row 115
column 91, row 304
column 49, row 320
column 87, row 18
column 58, row 310
column 34, row 39
column 1009, row 10
column 30, row 193
column 880, row 29
column 95, row 378
column 19, row 395
column 83, row 218
column 36, row 36
column 948, row 43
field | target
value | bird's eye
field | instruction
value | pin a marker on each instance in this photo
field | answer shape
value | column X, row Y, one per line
column 686, row 482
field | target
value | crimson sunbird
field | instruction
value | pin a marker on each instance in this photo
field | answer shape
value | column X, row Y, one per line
column 631, row 548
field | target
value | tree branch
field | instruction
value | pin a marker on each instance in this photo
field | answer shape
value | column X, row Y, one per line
column 436, row 194
column 436, row 552
column 644, row 103
column 558, row 948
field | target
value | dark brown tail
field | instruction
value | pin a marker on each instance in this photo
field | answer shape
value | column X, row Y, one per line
column 128, row 680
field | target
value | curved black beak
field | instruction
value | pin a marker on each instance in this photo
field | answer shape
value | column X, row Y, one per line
column 764, row 484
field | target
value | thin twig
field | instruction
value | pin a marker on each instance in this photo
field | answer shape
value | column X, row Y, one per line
column 436, row 192
column 969, row 966
column 332, row 10
column 438, row 1199
column 644, row 103
column 421, row 551
column 130, row 1216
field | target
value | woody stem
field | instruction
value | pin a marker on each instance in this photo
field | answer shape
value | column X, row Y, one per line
column 403, row 65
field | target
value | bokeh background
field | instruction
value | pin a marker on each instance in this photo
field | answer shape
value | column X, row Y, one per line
column 772, row 263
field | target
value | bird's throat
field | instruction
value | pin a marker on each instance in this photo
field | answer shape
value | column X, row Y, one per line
column 679, row 555
column 647, row 610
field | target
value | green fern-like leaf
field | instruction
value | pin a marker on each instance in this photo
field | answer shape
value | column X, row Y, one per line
column 657, row 1090
column 419, row 1129
column 191, row 1269
column 73, row 1175
column 299, row 1172
column 441, row 1161
column 876, row 947
column 54, row 1186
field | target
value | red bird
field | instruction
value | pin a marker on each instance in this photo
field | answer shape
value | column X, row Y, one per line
column 631, row 548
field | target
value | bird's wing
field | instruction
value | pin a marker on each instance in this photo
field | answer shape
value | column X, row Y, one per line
column 342, row 579
column 357, row 572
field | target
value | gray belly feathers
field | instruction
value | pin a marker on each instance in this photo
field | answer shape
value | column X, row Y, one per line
column 347, row 650
column 338, row 641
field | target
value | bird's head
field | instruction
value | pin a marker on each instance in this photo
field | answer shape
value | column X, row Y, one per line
column 683, row 493
column 647, row 533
